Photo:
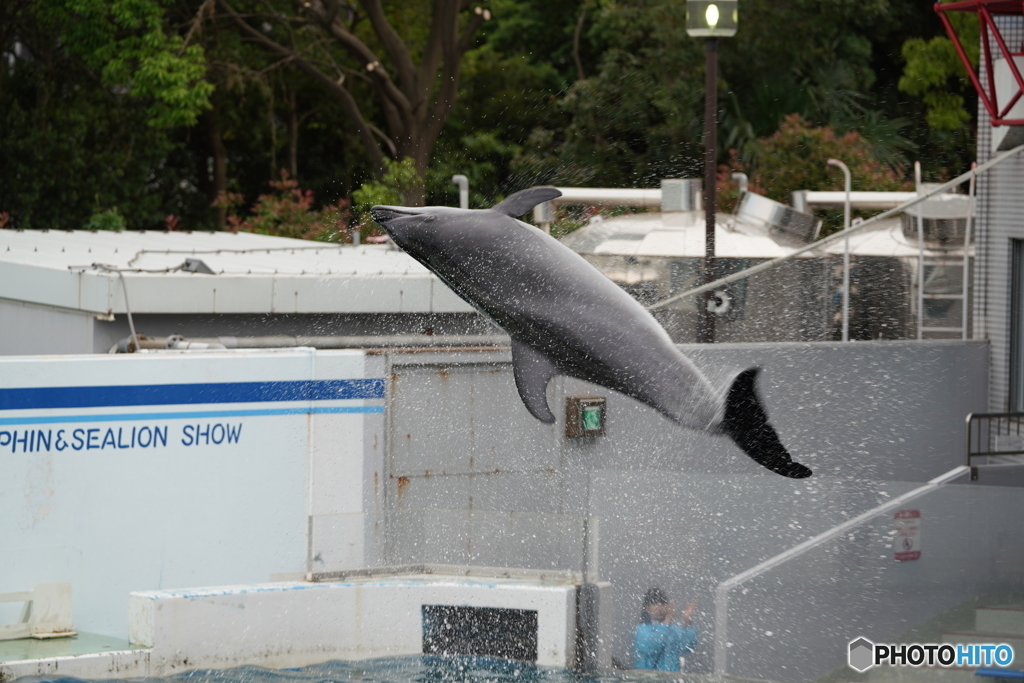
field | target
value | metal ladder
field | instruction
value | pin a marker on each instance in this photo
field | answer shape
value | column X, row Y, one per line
column 932, row 276
column 932, row 270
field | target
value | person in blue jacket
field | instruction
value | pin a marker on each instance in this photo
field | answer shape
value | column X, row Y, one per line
column 659, row 643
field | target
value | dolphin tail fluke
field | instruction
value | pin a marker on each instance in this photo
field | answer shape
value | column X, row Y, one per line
column 532, row 370
column 519, row 203
column 746, row 423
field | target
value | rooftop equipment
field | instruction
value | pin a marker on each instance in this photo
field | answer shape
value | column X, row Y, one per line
column 656, row 255
column 782, row 223
column 943, row 220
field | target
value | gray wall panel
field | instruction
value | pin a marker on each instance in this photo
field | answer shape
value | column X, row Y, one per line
column 1000, row 219
column 28, row 329
column 875, row 410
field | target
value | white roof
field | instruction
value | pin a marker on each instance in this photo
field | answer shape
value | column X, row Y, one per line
column 681, row 235
column 253, row 274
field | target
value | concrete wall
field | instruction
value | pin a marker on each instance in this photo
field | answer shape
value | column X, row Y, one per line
column 460, row 437
column 28, row 329
column 96, row 503
column 288, row 625
column 473, row 478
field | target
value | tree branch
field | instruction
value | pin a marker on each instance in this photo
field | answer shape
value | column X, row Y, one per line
column 466, row 41
column 445, row 14
column 449, row 87
column 196, row 24
column 344, row 96
column 387, row 141
column 378, row 74
column 576, row 43
column 393, row 43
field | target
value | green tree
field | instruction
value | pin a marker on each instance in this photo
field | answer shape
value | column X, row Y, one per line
column 407, row 56
column 935, row 73
column 89, row 94
column 629, row 123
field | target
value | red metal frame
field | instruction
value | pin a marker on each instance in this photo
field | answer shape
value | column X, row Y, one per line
column 986, row 9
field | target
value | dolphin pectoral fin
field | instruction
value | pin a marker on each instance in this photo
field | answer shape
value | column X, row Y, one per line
column 524, row 200
column 532, row 370
column 746, row 423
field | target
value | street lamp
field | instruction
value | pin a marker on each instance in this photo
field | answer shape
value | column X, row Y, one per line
column 711, row 20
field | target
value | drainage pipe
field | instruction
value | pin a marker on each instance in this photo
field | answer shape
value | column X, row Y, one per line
column 463, row 183
column 320, row 342
column 846, row 247
column 360, row 341
column 967, row 256
column 920, row 255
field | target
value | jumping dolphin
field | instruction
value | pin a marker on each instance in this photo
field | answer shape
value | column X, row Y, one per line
column 565, row 317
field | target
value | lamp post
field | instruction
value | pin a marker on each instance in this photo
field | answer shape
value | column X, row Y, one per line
column 711, row 20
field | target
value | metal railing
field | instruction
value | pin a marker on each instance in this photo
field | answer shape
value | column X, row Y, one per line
column 992, row 434
column 721, row 638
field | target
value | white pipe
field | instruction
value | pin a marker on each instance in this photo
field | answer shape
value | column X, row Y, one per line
column 820, row 244
column 743, row 181
column 463, row 183
column 920, row 255
column 651, row 198
column 967, row 259
column 846, row 247
column 722, row 590
column 858, row 200
column 603, row 196
column 355, row 341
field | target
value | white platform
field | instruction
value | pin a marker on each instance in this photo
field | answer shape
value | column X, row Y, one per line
column 294, row 624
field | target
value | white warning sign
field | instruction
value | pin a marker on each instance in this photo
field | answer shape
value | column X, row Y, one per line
column 907, row 542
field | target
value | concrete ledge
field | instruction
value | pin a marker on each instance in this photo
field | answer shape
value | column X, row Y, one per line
column 117, row 664
column 292, row 624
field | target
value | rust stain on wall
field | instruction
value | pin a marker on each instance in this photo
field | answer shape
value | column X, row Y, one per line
column 403, row 483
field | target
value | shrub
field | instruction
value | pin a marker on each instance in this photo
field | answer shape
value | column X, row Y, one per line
column 288, row 211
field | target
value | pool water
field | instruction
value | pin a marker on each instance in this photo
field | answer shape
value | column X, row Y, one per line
column 426, row 669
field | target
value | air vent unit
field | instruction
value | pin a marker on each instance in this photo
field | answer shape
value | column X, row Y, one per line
column 943, row 221
column 784, row 224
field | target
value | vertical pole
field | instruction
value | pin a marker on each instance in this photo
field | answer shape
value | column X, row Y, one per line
column 920, row 255
column 707, row 329
column 846, row 247
column 967, row 256
column 721, row 630
column 587, row 598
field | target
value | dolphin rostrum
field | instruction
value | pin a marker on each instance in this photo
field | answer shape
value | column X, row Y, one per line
column 565, row 317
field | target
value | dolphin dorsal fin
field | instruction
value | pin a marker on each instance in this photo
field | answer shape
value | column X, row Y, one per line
column 532, row 370
column 524, row 200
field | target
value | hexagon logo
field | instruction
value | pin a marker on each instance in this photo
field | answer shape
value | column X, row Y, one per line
column 861, row 657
